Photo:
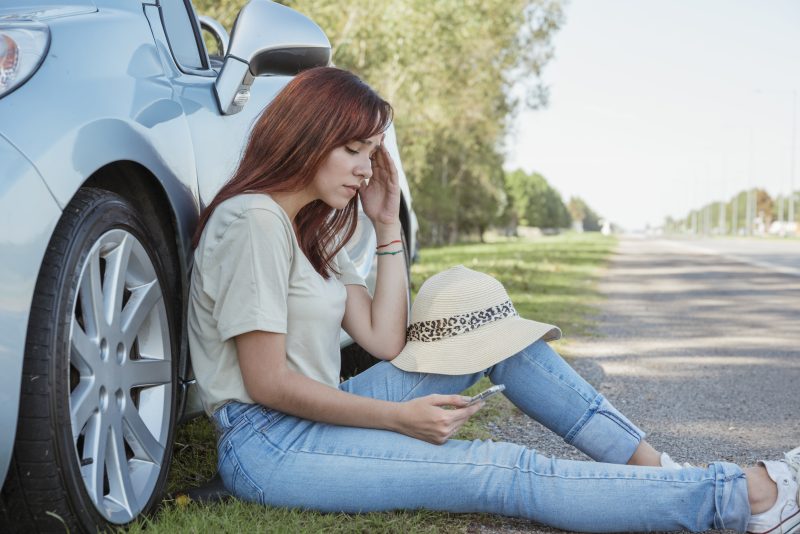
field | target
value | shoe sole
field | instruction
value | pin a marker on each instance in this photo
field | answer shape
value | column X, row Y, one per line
column 790, row 525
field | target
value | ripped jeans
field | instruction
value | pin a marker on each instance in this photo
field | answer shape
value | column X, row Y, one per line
column 272, row 458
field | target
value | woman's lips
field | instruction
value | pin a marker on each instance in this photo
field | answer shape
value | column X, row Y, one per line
column 353, row 188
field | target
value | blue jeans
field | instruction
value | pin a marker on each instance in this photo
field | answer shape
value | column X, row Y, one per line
column 273, row 458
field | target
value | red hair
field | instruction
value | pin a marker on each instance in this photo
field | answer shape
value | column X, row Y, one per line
column 319, row 110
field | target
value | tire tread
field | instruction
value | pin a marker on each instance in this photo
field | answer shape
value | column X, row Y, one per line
column 34, row 490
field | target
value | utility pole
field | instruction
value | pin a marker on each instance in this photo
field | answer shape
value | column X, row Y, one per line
column 748, row 217
column 722, row 211
column 791, row 216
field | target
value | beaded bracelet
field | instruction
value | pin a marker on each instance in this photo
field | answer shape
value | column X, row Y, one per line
column 389, row 243
column 389, row 253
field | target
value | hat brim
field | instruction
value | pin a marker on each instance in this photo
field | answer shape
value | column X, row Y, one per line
column 474, row 351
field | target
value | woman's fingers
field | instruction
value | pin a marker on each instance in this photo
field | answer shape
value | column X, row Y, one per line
column 386, row 165
column 390, row 166
column 458, row 401
column 453, row 419
column 461, row 416
column 432, row 423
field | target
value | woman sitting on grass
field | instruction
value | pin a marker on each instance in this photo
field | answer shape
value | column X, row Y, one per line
column 271, row 288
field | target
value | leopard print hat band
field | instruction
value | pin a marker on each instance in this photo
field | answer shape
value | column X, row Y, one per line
column 427, row 331
column 463, row 321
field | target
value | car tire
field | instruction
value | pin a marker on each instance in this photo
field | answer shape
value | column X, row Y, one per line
column 99, row 385
column 354, row 358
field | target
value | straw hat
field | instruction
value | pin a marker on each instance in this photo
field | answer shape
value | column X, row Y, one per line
column 462, row 322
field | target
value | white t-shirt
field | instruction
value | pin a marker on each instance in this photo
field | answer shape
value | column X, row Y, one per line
column 250, row 274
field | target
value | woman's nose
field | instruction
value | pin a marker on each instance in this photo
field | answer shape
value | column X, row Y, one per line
column 364, row 170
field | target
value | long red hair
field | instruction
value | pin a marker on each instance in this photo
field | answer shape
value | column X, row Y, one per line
column 319, row 110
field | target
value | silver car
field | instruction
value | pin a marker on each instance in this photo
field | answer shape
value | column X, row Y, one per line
column 116, row 127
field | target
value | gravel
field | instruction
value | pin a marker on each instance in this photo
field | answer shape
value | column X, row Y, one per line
column 700, row 351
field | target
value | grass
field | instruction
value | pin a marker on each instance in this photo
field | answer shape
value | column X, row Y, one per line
column 549, row 279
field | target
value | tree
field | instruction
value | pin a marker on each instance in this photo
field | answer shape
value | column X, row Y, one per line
column 583, row 216
column 534, row 202
column 765, row 206
column 449, row 68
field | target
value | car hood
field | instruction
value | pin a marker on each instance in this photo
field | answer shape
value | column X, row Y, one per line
column 47, row 10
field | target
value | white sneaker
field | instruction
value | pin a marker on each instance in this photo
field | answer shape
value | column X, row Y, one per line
column 669, row 463
column 784, row 516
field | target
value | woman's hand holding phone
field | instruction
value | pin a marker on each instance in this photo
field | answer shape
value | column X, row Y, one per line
column 427, row 419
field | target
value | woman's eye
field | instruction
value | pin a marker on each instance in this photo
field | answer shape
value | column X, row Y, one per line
column 350, row 150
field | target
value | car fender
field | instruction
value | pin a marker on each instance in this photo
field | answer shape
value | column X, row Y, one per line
column 107, row 141
column 30, row 214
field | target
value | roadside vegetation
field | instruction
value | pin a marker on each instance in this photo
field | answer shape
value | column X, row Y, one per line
column 752, row 212
column 457, row 73
column 551, row 279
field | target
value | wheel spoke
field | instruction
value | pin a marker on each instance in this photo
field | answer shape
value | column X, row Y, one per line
column 139, row 437
column 84, row 353
column 119, row 473
column 82, row 405
column 148, row 373
column 115, row 275
column 138, row 307
column 95, row 443
column 91, row 293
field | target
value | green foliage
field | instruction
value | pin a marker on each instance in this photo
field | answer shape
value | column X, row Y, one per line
column 731, row 217
column 448, row 67
column 582, row 213
column 534, row 202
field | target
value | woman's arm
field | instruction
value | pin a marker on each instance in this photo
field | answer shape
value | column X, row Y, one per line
column 378, row 324
column 269, row 381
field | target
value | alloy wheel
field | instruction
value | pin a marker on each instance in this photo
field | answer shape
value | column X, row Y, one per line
column 120, row 375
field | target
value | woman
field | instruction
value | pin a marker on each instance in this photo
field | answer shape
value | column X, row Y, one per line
column 271, row 288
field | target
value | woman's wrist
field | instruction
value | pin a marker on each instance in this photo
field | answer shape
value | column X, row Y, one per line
column 394, row 417
column 387, row 233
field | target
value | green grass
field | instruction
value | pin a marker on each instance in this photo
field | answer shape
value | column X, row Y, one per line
column 549, row 279
column 238, row 517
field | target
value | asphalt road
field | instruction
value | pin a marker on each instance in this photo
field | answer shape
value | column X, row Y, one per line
column 699, row 349
column 779, row 255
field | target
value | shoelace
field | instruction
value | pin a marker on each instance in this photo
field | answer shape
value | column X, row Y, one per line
column 792, row 459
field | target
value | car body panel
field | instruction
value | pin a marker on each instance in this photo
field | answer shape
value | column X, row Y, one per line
column 49, row 10
column 29, row 214
column 115, row 113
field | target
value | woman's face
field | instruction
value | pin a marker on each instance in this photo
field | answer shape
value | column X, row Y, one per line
column 344, row 171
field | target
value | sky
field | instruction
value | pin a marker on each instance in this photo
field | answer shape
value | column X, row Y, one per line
column 660, row 106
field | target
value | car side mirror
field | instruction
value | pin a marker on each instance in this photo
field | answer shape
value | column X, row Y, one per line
column 268, row 38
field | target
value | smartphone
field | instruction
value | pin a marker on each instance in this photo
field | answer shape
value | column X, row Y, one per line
column 485, row 394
